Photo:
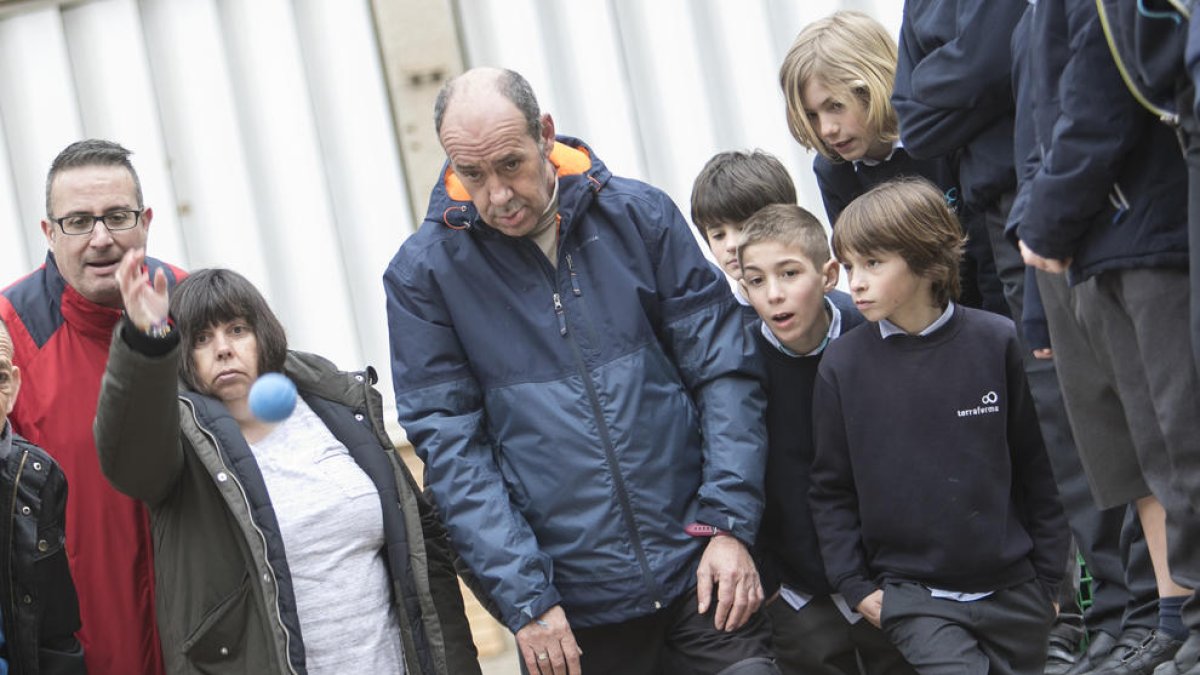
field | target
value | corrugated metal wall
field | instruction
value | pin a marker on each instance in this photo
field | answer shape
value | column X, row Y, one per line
column 265, row 139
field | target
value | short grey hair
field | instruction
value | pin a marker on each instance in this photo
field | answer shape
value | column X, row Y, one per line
column 91, row 152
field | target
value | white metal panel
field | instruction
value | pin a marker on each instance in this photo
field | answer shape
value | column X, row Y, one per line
column 39, row 110
column 111, row 77
column 14, row 232
column 356, row 135
column 216, row 206
column 285, row 166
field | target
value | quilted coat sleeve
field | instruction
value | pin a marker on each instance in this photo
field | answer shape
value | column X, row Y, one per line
column 137, row 421
column 720, row 366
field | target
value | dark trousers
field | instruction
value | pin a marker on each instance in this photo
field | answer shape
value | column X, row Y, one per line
column 1002, row 634
column 1120, row 600
column 677, row 640
column 817, row 640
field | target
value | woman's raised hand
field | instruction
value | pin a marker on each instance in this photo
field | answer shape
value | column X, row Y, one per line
column 146, row 305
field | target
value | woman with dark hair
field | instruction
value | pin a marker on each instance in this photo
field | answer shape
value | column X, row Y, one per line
column 300, row 546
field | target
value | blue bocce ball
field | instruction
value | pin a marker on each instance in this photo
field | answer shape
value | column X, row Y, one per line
column 273, row 397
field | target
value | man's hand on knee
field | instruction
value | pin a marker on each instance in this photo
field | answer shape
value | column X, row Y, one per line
column 548, row 645
column 728, row 564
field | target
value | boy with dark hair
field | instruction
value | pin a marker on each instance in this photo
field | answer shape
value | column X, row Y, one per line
column 37, row 631
column 937, row 512
column 730, row 188
column 789, row 277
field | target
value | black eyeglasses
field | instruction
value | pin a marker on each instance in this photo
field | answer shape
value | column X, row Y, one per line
column 115, row 221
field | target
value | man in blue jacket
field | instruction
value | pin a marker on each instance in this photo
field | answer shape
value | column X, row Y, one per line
column 590, row 412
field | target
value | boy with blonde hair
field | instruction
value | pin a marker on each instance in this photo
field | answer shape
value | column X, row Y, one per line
column 932, row 494
column 788, row 275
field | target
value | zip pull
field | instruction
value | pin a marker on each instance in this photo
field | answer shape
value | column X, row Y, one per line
column 574, row 279
column 562, row 317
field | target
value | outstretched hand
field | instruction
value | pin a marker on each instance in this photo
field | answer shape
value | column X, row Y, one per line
column 728, row 564
column 146, row 305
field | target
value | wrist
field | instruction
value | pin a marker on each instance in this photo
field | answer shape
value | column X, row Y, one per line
column 704, row 530
column 160, row 328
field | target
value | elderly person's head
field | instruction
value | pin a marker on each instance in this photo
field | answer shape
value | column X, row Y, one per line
column 229, row 334
column 499, row 146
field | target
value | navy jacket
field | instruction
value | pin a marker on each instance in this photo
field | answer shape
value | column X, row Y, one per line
column 574, row 419
column 1110, row 189
column 1034, row 326
column 952, row 92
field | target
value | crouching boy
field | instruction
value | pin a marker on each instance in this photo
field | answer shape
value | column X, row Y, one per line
column 933, row 498
column 788, row 275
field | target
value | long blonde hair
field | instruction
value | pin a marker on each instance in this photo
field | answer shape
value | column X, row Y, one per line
column 855, row 57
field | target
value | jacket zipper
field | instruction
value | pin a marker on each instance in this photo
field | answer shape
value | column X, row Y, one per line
column 287, row 636
column 12, row 533
column 601, row 426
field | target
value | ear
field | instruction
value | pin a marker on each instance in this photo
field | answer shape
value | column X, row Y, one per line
column 547, row 138
column 147, row 216
column 744, row 288
column 830, row 272
column 12, row 397
column 48, row 229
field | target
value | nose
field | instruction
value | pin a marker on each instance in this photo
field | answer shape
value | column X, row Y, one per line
column 100, row 236
column 774, row 291
column 221, row 345
column 858, row 281
column 498, row 191
column 829, row 126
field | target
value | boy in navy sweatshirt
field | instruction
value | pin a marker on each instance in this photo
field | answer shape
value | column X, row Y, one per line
column 788, row 275
column 932, row 494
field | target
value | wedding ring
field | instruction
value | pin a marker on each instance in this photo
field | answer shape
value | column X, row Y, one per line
column 543, row 656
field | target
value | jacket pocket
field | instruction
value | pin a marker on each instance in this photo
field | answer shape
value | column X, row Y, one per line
column 59, row 610
column 218, row 643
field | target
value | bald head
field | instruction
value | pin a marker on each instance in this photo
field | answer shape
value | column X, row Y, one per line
column 481, row 87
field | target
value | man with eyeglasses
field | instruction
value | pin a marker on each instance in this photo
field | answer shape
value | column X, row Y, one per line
column 61, row 318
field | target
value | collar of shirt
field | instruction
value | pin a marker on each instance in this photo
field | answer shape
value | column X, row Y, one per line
column 876, row 162
column 835, row 329
column 887, row 329
column 6, row 434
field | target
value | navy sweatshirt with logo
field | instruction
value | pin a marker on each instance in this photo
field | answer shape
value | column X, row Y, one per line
column 930, row 465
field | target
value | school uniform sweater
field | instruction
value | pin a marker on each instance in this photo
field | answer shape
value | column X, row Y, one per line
column 787, row 539
column 930, row 465
column 843, row 182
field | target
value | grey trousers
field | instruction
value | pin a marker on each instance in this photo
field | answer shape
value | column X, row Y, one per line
column 1124, row 595
column 1137, row 320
